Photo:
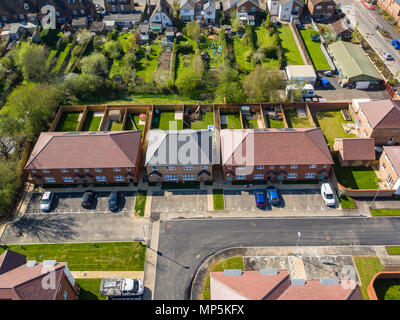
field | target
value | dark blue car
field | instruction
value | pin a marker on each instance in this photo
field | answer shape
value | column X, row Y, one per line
column 273, row 196
column 396, row 44
column 259, row 197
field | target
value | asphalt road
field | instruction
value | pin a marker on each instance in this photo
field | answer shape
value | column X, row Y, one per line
column 367, row 21
column 184, row 244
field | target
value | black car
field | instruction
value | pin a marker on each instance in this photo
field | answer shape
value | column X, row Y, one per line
column 88, row 199
column 113, row 201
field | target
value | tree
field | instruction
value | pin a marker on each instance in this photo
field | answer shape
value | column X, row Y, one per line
column 9, row 183
column 97, row 42
column 229, row 89
column 263, row 84
column 235, row 21
column 198, row 63
column 188, row 83
column 83, row 87
column 31, row 61
column 83, row 36
column 193, row 31
column 113, row 49
column 175, row 8
column 95, row 64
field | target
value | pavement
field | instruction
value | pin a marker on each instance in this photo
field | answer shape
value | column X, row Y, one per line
column 202, row 238
column 107, row 274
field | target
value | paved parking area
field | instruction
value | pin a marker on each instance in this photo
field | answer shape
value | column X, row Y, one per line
column 179, row 201
column 69, row 222
column 70, row 202
column 315, row 267
column 291, row 199
column 345, row 94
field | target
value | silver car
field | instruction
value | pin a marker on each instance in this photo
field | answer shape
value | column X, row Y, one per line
column 47, row 201
column 388, row 56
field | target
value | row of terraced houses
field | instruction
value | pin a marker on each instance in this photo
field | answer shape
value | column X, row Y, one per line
column 239, row 154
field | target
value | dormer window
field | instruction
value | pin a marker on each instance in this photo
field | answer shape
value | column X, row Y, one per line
column 26, row 6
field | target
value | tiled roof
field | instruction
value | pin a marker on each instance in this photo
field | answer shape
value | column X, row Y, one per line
column 393, row 153
column 357, row 148
column 339, row 26
column 10, row 260
column 274, row 147
column 55, row 150
column 382, row 114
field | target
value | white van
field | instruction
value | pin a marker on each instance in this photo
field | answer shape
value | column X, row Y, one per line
column 327, row 194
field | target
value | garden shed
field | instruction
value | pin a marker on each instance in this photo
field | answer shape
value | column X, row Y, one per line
column 301, row 73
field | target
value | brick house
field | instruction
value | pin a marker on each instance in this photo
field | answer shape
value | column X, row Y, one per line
column 274, row 154
column 161, row 16
column 23, row 280
column 119, row 6
column 355, row 152
column 379, row 120
column 389, row 167
column 246, row 9
column 26, row 10
column 85, row 157
column 392, row 7
column 273, row 284
column 321, row 10
column 181, row 155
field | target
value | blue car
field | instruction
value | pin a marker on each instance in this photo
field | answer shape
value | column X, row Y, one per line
column 396, row 44
column 259, row 197
column 273, row 195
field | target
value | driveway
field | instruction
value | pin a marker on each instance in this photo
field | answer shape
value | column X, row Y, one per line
column 69, row 222
column 291, row 200
column 345, row 94
column 179, row 200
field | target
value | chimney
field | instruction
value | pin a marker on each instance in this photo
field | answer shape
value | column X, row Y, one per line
column 31, row 263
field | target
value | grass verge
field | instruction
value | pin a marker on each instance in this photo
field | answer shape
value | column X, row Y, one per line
column 90, row 289
column 140, row 203
column 218, row 199
column 367, row 268
column 385, row 212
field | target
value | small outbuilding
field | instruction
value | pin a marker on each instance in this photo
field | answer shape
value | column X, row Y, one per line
column 301, row 74
column 355, row 152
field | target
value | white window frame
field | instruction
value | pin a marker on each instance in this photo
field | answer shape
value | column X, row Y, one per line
column 45, row 171
column 98, row 169
column 188, row 177
column 171, row 177
column 49, row 179
column 204, row 168
column 188, row 168
column 240, row 177
column 68, row 179
column 241, row 167
column 101, row 178
column 313, row 166
column 282, row 166
column 64, row 170
column 309, row 175
column 117, row 169
column 170, row 168
column 294, row 166
column 292, row 175
column 119, row 178
column 260, row 167
column 258, row 176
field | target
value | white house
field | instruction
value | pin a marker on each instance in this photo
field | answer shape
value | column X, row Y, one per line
column 187, row 10
column 161, row 16
column 285, row 9
column 209, row 12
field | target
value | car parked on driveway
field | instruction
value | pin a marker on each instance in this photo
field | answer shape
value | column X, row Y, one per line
column 396, row 44
column 113, row 201
column 260, row 199
column 273, row 196
column 47, row 201
column 387, row 56
column 327, row 194
column 88, row 199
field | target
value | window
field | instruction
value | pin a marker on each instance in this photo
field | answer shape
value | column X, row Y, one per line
column 294, row 166
column 240, row 177
column 260, row 167
column 203, row 168
column 83, row 11
column 119, row 178
column 330, row 7
column 389, row 181
column 396, row 130
column 170, row 168
column 74, row 12
column 186, row 177
column 272, row 167
column 386, row 157
column 98, row 170
column 243, row 9
column 383, row 166
column 117, row 169
column 154, row 168
column 65, row 295
column 282, row 167
column 171, row 177
column 76, row 170
column 26, row 6
column 64, row 170
column 68, row 179
column 325, row 166
column 49, row 179
column 188, row 168
column 59, row 288
column 313, row 166
column 229, row 168
column 45, row 171
column 292, row 175
column 33, row 171
column 86, row 169
column 101, row 178
column 253, row 9
column 129, row 169
column 310, row 175
column 240, row 167
column 258, row 176
column 318, row 7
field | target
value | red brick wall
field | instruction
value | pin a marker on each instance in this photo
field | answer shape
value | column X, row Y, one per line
column 72, row 292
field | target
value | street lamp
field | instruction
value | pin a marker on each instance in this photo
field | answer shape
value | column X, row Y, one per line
column 298, row 240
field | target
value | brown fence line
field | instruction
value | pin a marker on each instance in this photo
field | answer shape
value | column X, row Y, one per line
column 124, row 119
column 283, row 116
column 260, row 110
column 103, row 120
column 381, row 275
column 310, row 117
column 303, row 48
column 83, row 118
column 25, row 154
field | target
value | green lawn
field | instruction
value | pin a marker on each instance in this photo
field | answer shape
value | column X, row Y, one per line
column 184, row 60
column 233, row 120
column 385, row 212
column 163, row 121
column 387, row 289
column 232, row 263
column 356, row 177
column 289, row 47
column 367, row 268
column 52, row 53
column 314, row 50
column 393, row 250
column 330, row 123
column 92, row 123
column 262, row 38
column 62, row 56
column 90, row 289
column 68, row 122
column 110, row 256
column 140, row 203
column 146, row 68
column 210, row 45
column 206, row 120
column 240, row 50
column 218, row 199
column 347, row 202
column 129, row 124
column 115, row 126
column 294, row 121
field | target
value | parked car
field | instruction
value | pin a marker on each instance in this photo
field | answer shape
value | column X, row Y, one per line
column 396, row 44
column 388, row 56
column 327, row 194
column 259, row 197
column 47, row 201
column 273, row 196
column 113, row 201
column 88, row 199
